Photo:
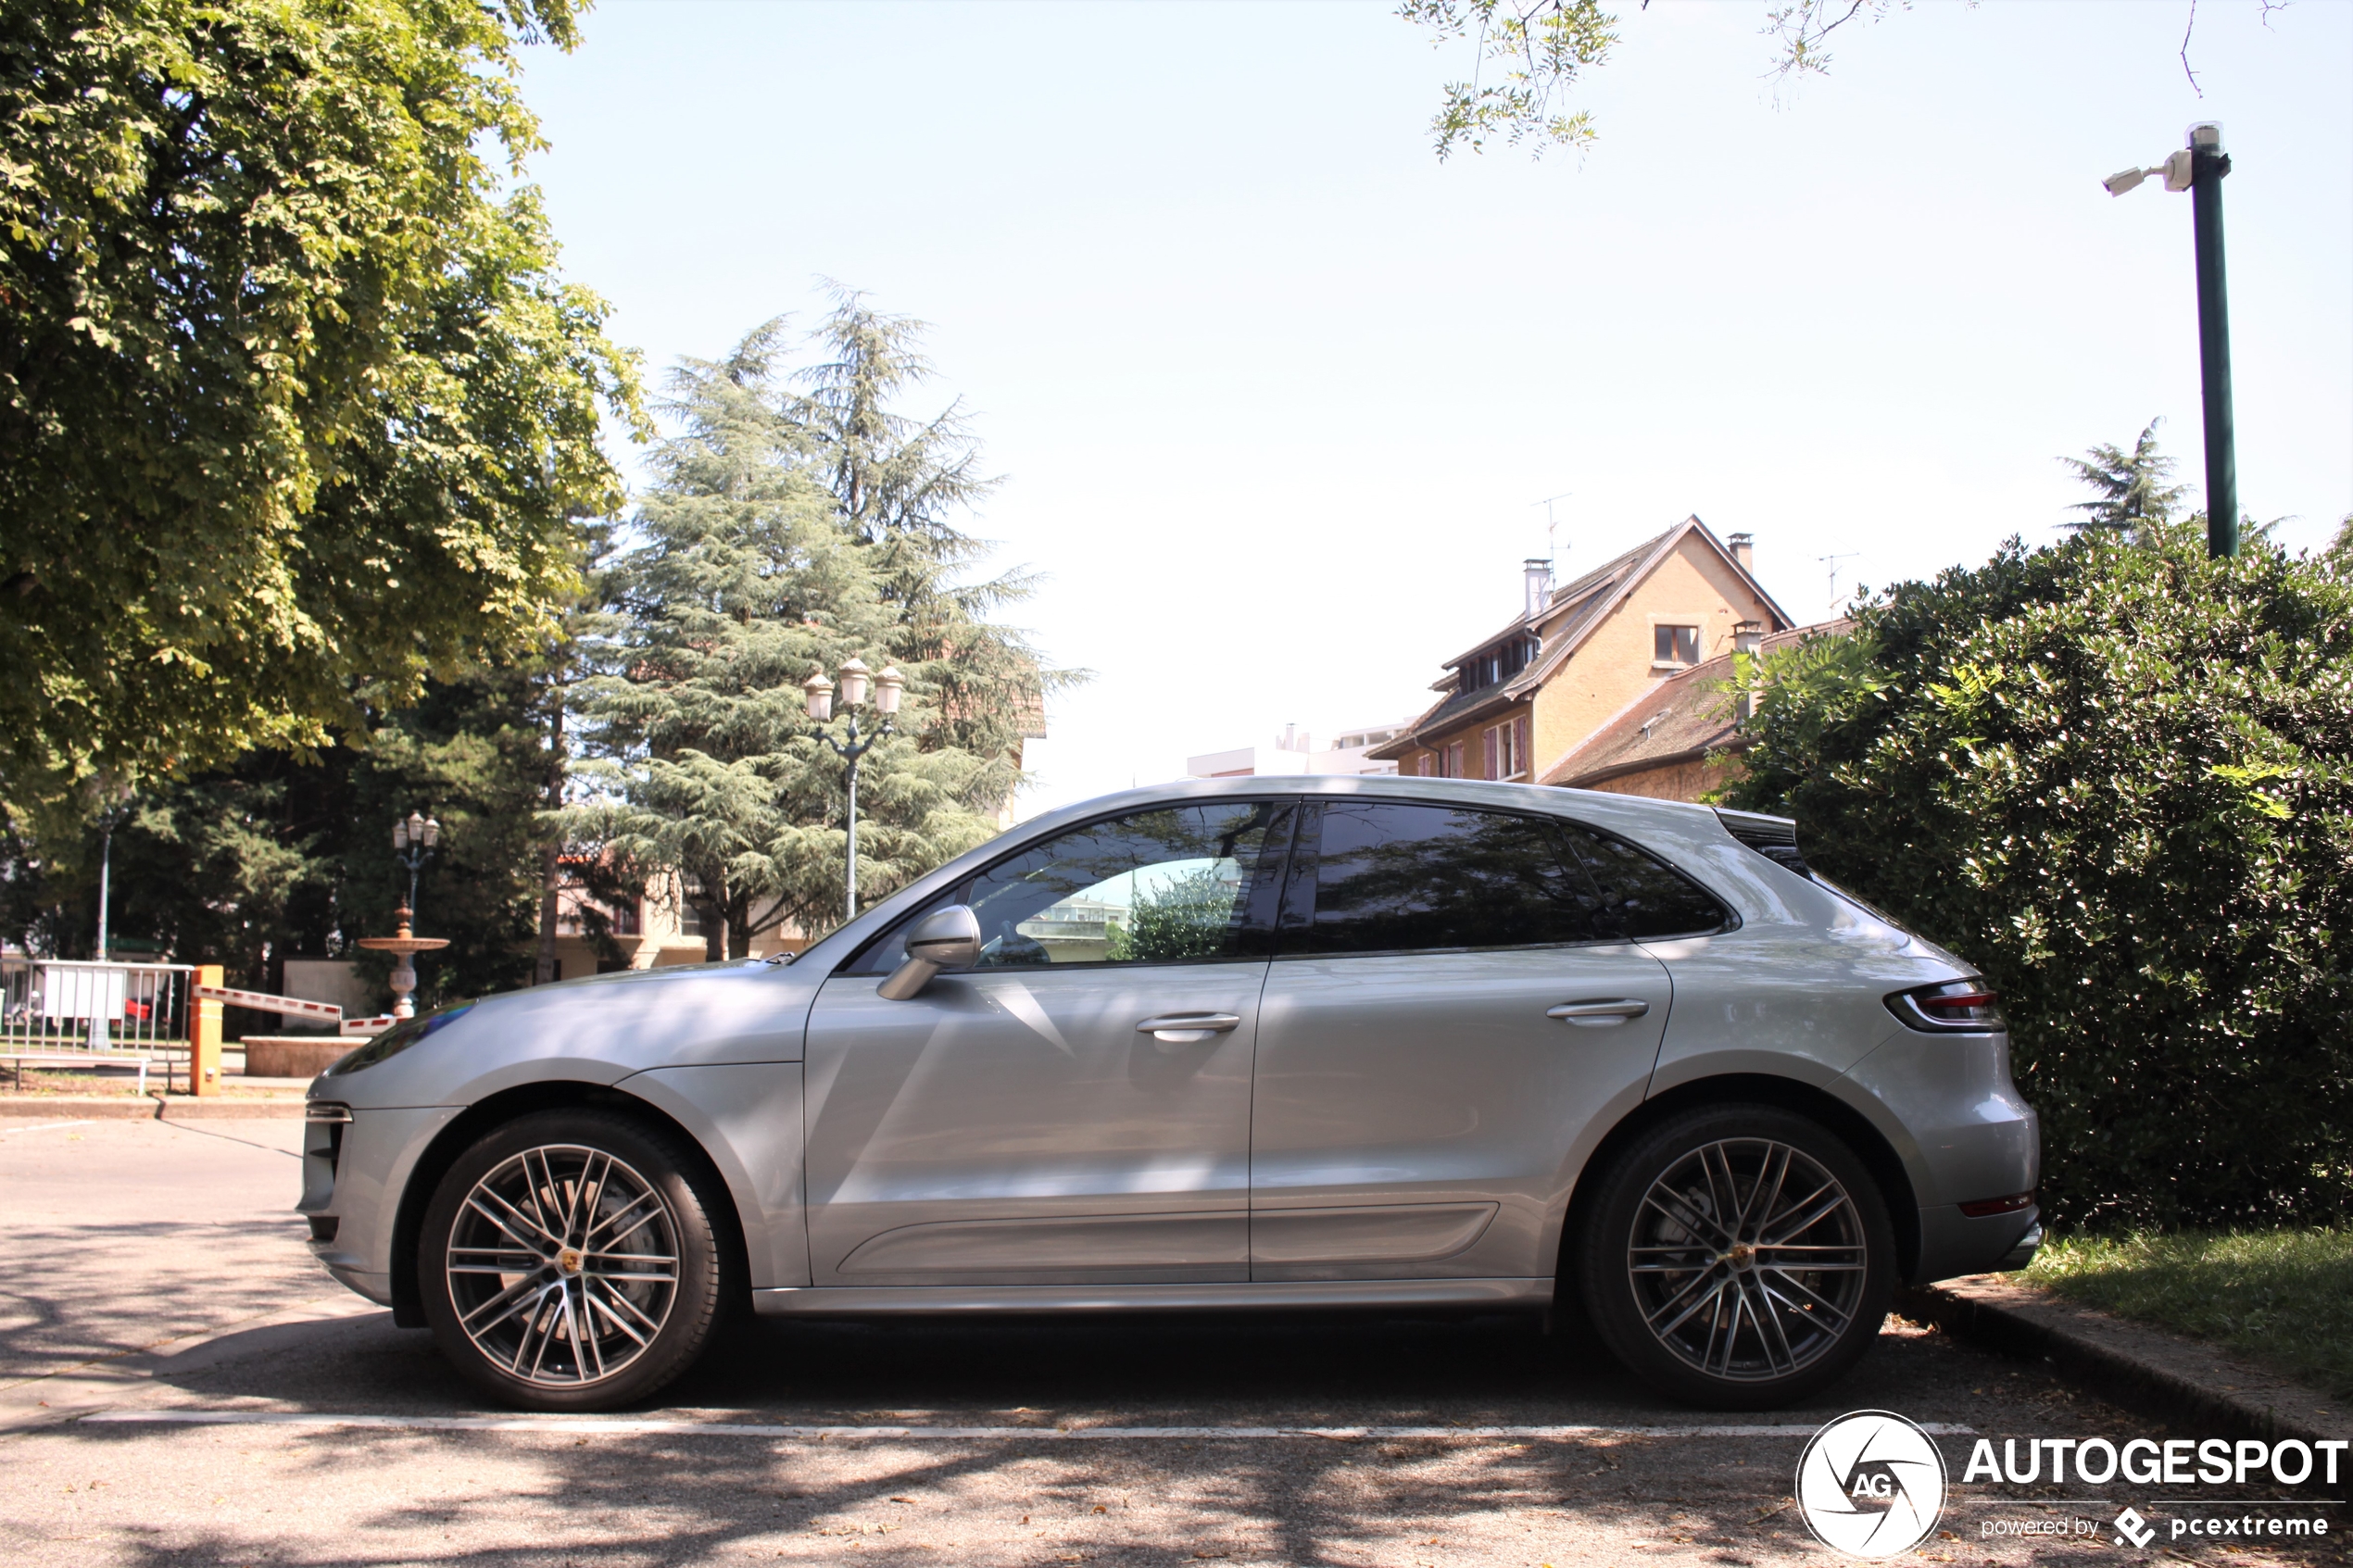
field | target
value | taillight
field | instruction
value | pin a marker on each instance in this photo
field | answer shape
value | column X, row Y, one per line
column 1985, row 1208
column 1956, row 1007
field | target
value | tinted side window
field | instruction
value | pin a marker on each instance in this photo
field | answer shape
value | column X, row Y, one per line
column 1643, row 896
column 1394, row 877
column 1188, row 882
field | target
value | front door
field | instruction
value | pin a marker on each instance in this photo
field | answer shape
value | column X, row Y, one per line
column 1450, row 1020
column 1076, row 1110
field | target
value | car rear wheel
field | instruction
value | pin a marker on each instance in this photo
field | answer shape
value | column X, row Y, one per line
column 569, row 1262
column 1739, row 1257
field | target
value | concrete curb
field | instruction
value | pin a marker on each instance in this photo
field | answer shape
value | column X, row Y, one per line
column 2148, row 1370
column 141, row 1107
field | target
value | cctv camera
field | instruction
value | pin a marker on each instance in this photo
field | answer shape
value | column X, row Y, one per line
column 2123, row 179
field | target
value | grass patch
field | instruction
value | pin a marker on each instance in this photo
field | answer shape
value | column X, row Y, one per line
column 2282, row 1297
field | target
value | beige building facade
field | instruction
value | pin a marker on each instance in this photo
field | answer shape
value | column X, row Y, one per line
column 1682, row 740
column 1516, row 704
column 652, row 931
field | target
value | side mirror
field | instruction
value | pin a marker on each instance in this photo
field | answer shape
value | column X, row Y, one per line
column 947, row 938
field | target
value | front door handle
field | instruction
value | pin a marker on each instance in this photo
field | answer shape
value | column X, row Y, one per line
column 1599, row 1015
column 1184, row 1028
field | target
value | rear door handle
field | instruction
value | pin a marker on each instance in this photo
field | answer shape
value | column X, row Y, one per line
column 1184, row 1028
column 1599, row 1015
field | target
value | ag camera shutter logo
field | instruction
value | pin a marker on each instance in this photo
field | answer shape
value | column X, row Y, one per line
column 1871, row 1483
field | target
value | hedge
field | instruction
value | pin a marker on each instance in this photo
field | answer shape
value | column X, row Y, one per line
column 2119, row 777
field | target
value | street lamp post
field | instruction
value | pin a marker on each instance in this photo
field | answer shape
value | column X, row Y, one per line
column 2198, row 169
column 413, row 838
column 416, row 834
column 855, row 678
column 115, row 807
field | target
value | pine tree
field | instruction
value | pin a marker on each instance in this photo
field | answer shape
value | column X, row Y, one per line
column 2133, row 494
column 785, row 532
column 900, row 484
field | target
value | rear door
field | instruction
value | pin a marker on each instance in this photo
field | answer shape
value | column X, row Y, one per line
column 1450, row 1020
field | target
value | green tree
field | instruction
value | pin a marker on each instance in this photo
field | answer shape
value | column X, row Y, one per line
column 2339, row 554
column 1529, row 54
column 279, row 856
column 785, row 532
column 295, row 405
column 1188, row 915
column 2119, row 776
column 900, row 484
column 2133, row 492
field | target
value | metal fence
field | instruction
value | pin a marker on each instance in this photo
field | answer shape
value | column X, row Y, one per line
column 64, row 1004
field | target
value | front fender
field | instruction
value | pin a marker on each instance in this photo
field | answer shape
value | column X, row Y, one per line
column 748, row 1119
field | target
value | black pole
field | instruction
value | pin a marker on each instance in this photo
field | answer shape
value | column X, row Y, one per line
column 2209, row 163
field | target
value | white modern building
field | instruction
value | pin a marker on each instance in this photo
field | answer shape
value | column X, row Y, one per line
column 1293, row 752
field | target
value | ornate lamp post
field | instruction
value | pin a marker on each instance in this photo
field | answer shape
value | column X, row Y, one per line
column 854, row 677
column 418, row 835
column 413, row 840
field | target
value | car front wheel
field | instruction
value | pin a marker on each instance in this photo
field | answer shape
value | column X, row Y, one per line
column 1739, row 1257
column 569, row 1264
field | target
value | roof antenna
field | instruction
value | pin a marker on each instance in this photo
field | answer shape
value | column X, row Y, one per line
column 1552, row 527
column 1831, row 562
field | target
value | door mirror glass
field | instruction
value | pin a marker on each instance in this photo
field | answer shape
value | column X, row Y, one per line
column 945, row 939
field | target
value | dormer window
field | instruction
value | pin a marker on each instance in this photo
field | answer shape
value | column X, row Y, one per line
column 1675, row 645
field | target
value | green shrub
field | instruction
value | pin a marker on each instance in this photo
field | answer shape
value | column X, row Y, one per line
column 2119, row 776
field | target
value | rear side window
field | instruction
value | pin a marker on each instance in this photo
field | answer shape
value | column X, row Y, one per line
column 1642, row 895
column 1392, row 877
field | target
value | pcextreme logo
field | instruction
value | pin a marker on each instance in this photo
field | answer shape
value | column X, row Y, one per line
column 1871, row 1483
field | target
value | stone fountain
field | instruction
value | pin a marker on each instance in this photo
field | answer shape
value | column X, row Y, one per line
column 407, row 944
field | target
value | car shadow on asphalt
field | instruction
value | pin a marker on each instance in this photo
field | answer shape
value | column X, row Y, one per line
column 543, row 1498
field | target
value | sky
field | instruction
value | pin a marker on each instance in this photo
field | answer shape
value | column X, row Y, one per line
column 1278, row 395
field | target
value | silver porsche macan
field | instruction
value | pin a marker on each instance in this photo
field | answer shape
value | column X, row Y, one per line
column 1258, row 1043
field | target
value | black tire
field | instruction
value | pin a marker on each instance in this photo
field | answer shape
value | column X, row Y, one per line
column 585, row 1273
column 1724, row 1316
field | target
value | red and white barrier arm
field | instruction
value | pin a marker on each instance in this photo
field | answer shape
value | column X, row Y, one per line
column 284, row 1007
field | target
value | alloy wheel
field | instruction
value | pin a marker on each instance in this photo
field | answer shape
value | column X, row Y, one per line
column 1748, row 1260
column 563, row 1265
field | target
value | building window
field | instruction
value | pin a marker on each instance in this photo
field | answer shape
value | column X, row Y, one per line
column 1504, row 749
column 1453, row 767
column 1426, row 764
column 1675, row 645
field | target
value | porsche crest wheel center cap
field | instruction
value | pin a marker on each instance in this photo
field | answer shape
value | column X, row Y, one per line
column 567, row 1261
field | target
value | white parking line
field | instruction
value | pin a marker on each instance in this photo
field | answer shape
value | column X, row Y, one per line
column 626, row 1427
column 41, row 1126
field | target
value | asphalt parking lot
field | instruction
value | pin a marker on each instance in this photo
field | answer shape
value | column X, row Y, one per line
column 180, row 1384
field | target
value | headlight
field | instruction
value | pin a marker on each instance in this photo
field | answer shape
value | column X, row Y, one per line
column 395, row 1040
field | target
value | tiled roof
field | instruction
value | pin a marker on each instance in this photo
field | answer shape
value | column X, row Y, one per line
column 1683, row 718
column 1586, row 600
column 1585, row 587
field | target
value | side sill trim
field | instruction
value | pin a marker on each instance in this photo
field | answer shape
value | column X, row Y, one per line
column 866, row 1300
